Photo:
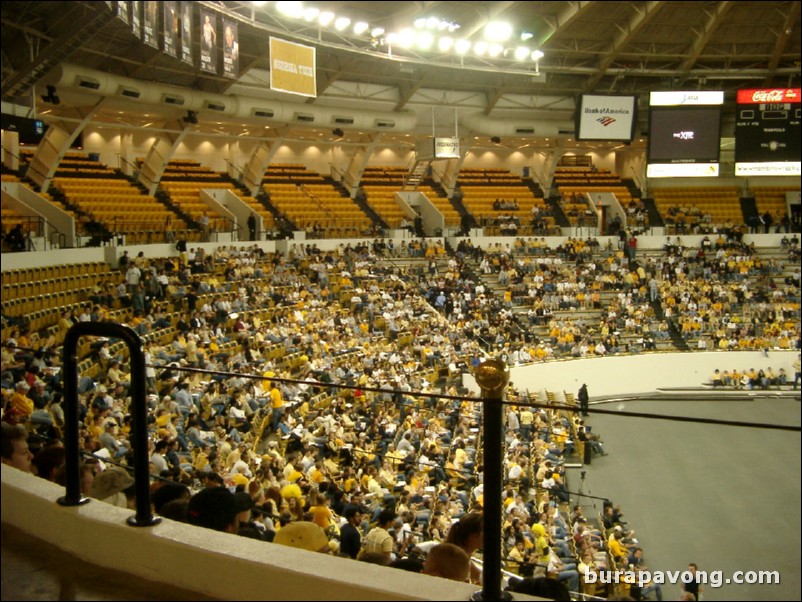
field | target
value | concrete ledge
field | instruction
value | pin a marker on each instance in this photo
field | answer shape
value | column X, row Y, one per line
column 215, row 564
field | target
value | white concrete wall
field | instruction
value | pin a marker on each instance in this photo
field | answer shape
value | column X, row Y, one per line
column 645, row 373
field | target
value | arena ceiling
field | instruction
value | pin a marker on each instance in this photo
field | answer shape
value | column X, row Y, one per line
column 589, row 47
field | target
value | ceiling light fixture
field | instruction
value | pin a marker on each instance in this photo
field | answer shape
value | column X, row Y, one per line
column 310, row 14
column 290, row 9
column 498, row 31
column 462, row 46
column 422, row 37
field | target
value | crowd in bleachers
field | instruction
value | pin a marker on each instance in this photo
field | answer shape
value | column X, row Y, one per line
column 580, row 300
column 304, row 324
column 396, row 326
column 756, row 379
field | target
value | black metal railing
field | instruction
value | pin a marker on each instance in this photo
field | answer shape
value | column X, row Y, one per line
column 492, row 376
column 139, row 417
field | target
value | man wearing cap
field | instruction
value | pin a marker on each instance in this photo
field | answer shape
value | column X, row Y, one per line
column 248, row 526
column 13, row 364
column 217, row 508
column 39, row 394
column 108, row 439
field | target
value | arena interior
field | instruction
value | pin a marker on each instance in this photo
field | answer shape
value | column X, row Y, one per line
column 317, row 264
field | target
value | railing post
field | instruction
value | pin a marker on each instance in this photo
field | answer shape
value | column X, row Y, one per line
column 139, row 417
column 492, row 375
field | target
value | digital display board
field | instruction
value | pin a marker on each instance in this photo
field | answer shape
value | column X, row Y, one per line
column 31, row 131
column 684, row 134
column 767, row 132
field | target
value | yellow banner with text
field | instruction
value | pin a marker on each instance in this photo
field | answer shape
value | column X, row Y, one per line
column 292, row 68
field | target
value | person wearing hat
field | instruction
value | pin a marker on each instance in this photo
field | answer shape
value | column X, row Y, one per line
column 110, row 486
column 12, row 362
column 248, row 527
column 39, row 394
column 217, row 508
column 108, row 439
column 304, row 535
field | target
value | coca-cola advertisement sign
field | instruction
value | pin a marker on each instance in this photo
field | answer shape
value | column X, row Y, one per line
column 767, row 124
column 769, row 95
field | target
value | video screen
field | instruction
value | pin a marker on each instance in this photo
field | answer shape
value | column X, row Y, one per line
column 684, row 134
column 31, row 131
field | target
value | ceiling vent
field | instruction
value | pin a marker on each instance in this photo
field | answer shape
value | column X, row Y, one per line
column 91, row 84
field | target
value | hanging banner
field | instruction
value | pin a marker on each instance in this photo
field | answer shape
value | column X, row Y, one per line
column 151, row 30
column 208, row 53
column 230, row 49
column 292, row 68
column 123, row 13
column 186, row 33
column 170, row 28
column 136, row 18
column 446, row 148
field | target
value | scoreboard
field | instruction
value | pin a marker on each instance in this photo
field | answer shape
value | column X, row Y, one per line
column 767, row 132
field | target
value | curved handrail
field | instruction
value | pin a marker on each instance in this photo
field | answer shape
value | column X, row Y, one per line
column 25, row 164
column 139, row 417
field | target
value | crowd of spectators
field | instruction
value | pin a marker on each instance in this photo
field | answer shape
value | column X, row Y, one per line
column 325, row 385
column 227, row 407
column 756, row 379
